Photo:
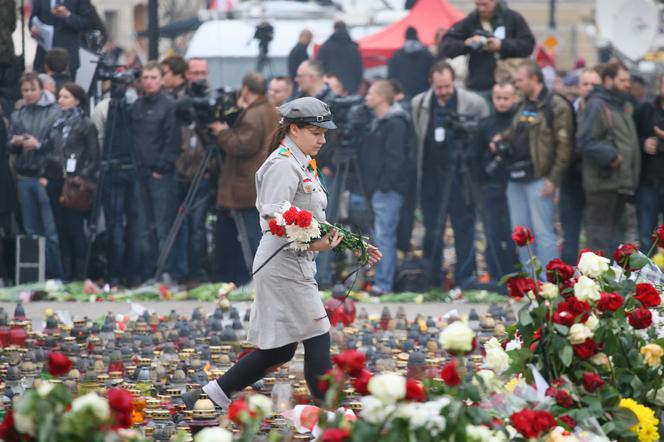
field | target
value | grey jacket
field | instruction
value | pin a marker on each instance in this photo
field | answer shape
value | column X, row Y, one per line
column 469, row 103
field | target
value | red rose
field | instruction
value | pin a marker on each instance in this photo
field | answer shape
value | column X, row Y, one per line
column 609, row 302
column 658, row 236
column 120, row 400
column 522, row 236
column 8, row 432
column 591, row 381
column 647, row 295
column 564, row 399
column 640, row 318
column 557, row 271
column 332, row 375
column 58, row 364
column 361, row 383
column 304, row 219
column 276, row 229
column 415, row 391
column 585, row 350
column 290, row 215
column 450, row 374
column 350, row 361
column 544, row 421
column 622, row 254
column 532, row 423
column 335, row 435
column 238, row 411
column 569, row 421
column 568, row 311
column 519, row 287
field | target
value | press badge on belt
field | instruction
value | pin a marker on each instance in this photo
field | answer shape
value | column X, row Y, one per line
column 307, row 185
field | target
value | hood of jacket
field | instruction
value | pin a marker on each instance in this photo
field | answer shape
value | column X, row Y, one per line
column 395, row 111
column 413, row 46
column 342, row 38
column 45, row 100
column 612, row 97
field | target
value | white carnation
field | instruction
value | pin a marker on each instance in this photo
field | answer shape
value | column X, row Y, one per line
column 480, row 433
column 496, row 358
column 457, row 337
column 214, row 434
column 586, row 289
column 93, row 402
column 24, row 424
column 374, row 410
column 260, row 403
column 549, row 291
column 593, row 265
column 388, row 387
column 578, row 334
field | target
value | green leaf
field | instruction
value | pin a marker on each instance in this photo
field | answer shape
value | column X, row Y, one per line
column 566, row 355
column 637, row 261
column 562, row 329
column 524, row 316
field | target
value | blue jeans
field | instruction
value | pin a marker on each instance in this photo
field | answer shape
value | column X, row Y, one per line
column 386, row 207
column 572, row 204
column 500, row 253
column 38, row 220
column 530, row 209
column 122, row 226
column 649, row 205
column 191, row 245
column 231, row 266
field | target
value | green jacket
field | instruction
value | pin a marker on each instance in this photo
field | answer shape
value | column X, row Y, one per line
column 606, row 129
column 7, row 27
column 550, row 147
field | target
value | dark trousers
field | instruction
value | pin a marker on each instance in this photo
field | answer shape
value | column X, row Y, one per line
column 120, row 200
column 191, row 244
column 500, row 252
column 256, row 364
column 158, row 205
column 71, row 232
column 649, row 205
column 231, row 266
column 461, row 211
column 604, row 211
column 572, row 203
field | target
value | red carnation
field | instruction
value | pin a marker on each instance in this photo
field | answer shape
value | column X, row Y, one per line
column 58, row 364
column 522, row 236
column 335, row 435
column 532, row 423
column 640, row 318
column 304, row 219
column 276, row 229
column 415, row 391
column 350, row 361
column 658, row 236
column 647, row 295
column 591, row 381
column 238, row 411
column 557, row 271
column 361, row 383
column 8, row 432
column 290, row 215
column 585, row 350
column 609, row 302
column 568, row 420
column 564, row 399
column 622, row 254
column 519, row 287
column 450, row 374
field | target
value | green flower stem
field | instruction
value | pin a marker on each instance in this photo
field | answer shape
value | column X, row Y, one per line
column 532, row 267
column 653, row 247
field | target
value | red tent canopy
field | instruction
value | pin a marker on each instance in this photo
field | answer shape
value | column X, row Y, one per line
column 427, row 16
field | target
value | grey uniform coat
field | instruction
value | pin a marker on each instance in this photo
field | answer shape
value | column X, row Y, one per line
column 288, row 307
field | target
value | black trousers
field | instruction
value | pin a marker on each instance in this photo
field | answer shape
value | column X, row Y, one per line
column 256, row 364
column 604, row 210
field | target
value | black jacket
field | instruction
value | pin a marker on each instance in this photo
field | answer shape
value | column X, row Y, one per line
column 66, row 30
column 646, row 117
column 340, row 55
column 35, row 120
column 387, row 153
column 410, row 66
column 295, row 58
column 518, row 42
column 487, row 128
column 8, row 201
column 155, row 133
column 81, row 141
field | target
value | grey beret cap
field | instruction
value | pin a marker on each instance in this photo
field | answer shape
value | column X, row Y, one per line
column 308, row 110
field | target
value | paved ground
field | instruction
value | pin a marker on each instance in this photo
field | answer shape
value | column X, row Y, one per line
column 35, row 310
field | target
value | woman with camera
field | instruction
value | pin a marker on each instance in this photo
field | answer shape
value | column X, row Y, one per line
column 288, row 308
column 71, row 172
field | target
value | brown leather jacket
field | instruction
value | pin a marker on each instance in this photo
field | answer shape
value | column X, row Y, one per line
column 246, row 146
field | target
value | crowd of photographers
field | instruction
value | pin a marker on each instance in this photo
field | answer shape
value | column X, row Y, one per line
column 504, row 147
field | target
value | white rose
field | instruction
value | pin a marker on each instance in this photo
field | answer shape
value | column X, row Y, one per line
column 388, row 387
column 593, row 265
column 599, row 359
column 374, row 410
column 24, row 424
column 457, row 337
column 549, row 291
column 578, row 334
column 514, row 344
column 98, row 405
column 586, row 289
column 592, row 322
column 496, row 358
column 260, row 403
column 214, row 434
column 480, row 433
column 45, row 388
column 489, row 379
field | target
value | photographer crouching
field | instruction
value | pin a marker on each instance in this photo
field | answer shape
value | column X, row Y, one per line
column 245, row 146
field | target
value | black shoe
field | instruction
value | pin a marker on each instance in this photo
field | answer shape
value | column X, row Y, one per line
column 190, row 397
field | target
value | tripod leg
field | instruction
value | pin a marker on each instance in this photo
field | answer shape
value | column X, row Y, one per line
column 243, row 239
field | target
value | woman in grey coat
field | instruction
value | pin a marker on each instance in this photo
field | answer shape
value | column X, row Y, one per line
column 288, row 308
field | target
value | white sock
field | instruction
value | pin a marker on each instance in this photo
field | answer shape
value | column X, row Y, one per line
column 216, row 394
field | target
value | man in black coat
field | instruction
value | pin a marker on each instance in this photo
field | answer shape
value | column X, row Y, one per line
column 340, row 55
column 410, row 65
column 489, row 33
column 299, row 53
column 68, row 18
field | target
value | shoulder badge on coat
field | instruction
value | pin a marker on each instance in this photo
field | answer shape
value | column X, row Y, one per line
column 285, row 152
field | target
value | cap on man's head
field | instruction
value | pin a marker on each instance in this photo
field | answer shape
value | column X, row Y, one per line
column 308, row 110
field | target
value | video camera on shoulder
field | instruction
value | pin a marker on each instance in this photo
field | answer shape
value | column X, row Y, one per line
column 352, row 118
column 203, row 106
column 480, row 44
column 115, row 73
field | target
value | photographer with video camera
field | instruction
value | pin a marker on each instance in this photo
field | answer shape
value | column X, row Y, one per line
column 438, row 155
column 537, row 149
column 156, row 143
column 490, row 33
column 245, row 147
